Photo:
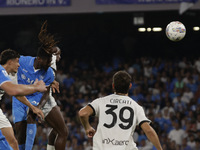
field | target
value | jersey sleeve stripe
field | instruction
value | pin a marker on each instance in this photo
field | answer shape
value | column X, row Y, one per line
column 92, row 109
column 143, row 122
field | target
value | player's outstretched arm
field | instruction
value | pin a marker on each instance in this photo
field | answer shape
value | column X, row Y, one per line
column 21, row 90
column 151, row 135
column 84, row 114
column 35, row 110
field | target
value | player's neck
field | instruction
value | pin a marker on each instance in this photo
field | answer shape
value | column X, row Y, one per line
column 36, row 65
column 6, row 67
column 121, row 94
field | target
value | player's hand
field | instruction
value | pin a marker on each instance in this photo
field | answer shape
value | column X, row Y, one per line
column 38, row 112
column 90, row 132
column 40, row 85
column 55, row 86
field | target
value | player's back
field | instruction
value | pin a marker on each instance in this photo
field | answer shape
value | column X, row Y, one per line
column 118, row 117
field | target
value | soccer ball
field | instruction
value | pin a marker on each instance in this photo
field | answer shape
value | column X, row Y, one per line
column 175, row 31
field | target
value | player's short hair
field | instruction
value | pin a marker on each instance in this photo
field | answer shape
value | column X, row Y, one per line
column 47, row 42
column 7, row 55
column 121, row 80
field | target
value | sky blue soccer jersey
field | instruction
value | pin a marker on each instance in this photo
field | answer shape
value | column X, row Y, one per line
column 3, row 75
column 27, row 75
column 3, row 78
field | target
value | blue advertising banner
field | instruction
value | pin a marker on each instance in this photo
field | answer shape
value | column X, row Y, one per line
column 140, row 1
column 34, row 3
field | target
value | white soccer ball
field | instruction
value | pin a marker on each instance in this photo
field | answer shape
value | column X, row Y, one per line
column 175, row 31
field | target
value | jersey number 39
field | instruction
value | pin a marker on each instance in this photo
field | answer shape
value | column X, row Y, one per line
column 128, row 120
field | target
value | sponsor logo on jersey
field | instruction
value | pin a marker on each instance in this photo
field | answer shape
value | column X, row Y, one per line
column 28, row 80
column 24, row 70
column 115, row 142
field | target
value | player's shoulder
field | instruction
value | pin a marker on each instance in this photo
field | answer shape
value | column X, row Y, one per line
column 3, row 71
column 25, row 58
column 103, row 98
column 106, row 97
column 50, row 71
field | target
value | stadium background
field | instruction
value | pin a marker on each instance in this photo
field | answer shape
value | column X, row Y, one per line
column 91, row 42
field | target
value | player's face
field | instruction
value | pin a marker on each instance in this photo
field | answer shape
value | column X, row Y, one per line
column 57, row 53
column 45, row 63
column 58, row 57
column 14, row 65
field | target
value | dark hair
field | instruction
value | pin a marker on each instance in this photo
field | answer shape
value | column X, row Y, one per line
column 7, row 55
column 47, row 42
column 121, row 80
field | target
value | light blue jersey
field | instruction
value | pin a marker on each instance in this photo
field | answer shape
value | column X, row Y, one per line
column 27, row 75
column 3, row 78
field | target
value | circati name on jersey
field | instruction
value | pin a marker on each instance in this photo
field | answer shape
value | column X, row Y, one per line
column 120, row 101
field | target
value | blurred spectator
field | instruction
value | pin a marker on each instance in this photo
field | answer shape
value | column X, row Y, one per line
column 68, row 81
column 197, row 64
column 177, row 134
column 185, row 145
column 197, row 142
column 191, row 142
column 179, row 105
column 145, row 145
column 187, row 95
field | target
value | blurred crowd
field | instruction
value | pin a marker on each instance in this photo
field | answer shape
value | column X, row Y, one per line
column 168, row 90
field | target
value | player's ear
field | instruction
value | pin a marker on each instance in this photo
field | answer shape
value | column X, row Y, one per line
column 9, row 61
column 113, row 86
column 130, row 85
